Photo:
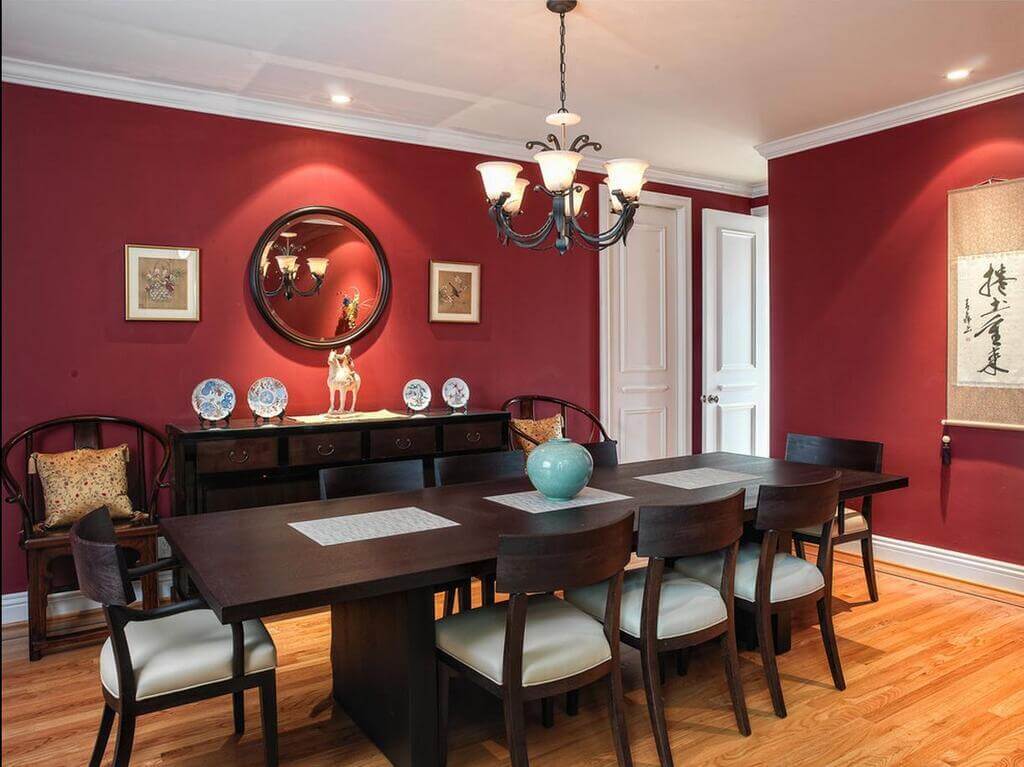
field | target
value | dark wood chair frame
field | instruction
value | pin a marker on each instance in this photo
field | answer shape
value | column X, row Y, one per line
column 43, row 549
column 843, row 454
column 664, row 534
column 597, row 441
column 387, row 477
column 531, row 564
column 105, row 578
column 479, row 467
column 782, row 509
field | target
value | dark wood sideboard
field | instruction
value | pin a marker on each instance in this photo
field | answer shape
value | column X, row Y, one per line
column 246, row 464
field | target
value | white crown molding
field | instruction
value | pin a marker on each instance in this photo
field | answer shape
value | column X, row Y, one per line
column 932, row 106
column 122, row 88
column 759, row 190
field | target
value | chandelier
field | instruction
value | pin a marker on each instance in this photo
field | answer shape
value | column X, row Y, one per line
column 558, row 159
column 288, row 264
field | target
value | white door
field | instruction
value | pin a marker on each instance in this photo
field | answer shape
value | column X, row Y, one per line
column 646, row 350
column 735, row 367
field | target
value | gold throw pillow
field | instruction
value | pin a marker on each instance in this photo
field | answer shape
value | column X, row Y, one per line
column 541, row 429
column 79, row 481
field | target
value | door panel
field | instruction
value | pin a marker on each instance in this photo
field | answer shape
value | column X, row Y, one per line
column 646, row 299
column 735, row 366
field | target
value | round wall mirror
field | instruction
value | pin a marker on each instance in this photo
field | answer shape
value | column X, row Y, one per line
column 319, row 277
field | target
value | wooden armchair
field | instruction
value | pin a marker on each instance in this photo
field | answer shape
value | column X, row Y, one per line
column 48, row 552
column 602, row 447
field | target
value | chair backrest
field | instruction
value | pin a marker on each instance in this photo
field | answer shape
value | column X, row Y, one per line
column 830, row 451
column 604, row 453
column 689, row 530
column 145, row 444
column 785, row 508
column 479, row 467
column 533, row 563
column 364, row 479
column 526, row 406
column 99, row 561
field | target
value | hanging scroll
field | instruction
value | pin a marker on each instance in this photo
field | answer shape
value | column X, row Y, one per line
column 985, row 351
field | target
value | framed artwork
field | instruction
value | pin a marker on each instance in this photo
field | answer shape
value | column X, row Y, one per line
column 454, row 291
column 161, row 283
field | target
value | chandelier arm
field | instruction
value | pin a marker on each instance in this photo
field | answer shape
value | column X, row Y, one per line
column 583, row 141
column 527, row 240
column 276, row 291
column 616, row 233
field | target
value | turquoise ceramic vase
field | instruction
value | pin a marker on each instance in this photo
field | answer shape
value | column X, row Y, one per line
column 559, row 468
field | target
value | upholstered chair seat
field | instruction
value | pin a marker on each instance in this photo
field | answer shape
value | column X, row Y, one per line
column 792, row 577
column 687, row 605
column 184, row 651
column 853, row 522
column 560, row 641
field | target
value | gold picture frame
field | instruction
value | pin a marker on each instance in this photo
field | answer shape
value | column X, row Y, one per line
column 161, row 283
column 455, row 291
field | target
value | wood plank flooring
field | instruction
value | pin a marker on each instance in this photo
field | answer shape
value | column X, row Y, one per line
column 935, row 675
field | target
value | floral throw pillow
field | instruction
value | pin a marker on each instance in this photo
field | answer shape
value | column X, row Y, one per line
column 79, row 481
column 541, row 429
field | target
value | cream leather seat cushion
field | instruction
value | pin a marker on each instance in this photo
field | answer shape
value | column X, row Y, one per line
column 687, row 605
column 792, row 577
column 559, row 641
column 185, row 650
column 853, row 523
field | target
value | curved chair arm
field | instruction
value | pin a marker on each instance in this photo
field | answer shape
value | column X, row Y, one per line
column 174, row 608
column 167, row 563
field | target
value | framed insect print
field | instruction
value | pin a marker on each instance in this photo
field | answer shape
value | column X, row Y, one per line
column 454, row 291
column 161, row 283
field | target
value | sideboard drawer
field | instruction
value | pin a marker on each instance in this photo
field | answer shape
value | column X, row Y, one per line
column 393, row 443
column 472, row 435
column 236, row 455
column 310, row 449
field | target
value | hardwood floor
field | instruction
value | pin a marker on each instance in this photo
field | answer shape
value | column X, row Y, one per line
column 935, row 675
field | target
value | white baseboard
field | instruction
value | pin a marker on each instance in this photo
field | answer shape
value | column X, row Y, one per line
column 15, row 606
column 952, row 564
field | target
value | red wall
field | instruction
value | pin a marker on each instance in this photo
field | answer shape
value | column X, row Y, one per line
column 83, row 176
column 858, row 273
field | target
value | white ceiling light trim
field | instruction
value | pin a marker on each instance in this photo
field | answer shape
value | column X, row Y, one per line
column 89, row 83
column 932, row 106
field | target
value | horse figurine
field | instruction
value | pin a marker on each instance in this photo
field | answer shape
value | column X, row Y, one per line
column 342, row 378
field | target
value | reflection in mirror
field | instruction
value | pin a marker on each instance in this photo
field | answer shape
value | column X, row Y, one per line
column 320, row 277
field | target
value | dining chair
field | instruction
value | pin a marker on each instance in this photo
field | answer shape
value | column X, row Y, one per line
column 388, row 477
column 769, row 581
column 167, row 656
column 47, row 551
column 663, row 611
column 525, row 408
column 479, row 467
column 535, row 645
column 851, row 524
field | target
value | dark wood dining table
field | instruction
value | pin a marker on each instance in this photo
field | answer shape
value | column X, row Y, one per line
column 250, row 564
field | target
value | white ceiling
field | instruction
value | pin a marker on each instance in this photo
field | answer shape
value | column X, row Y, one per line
column 691, row 86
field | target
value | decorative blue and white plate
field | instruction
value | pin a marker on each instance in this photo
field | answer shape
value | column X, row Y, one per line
column 267, row 397
column 456, row 393
column 416, row 394
column 213, row 399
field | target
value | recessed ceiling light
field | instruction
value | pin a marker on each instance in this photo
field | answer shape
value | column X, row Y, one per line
column 341, row 98
column 958, row 74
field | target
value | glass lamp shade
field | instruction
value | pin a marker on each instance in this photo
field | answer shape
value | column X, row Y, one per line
column 499, row 178
column 626, row 175
column 558, row 168
column 515, row 202
column 616, row 205
column 579, row 191
column 318, row 266
column 287, row 264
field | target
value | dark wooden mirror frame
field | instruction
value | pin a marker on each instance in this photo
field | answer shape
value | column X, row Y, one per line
column 263, row 304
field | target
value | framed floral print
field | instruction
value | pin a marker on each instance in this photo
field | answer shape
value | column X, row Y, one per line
column 454, row 291
column 161, row 283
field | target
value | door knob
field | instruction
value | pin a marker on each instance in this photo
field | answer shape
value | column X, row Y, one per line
column 709, row 398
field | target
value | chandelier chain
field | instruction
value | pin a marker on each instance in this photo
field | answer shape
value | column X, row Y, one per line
column 561, row 59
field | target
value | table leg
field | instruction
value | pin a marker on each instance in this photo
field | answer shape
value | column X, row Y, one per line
column 384, row 672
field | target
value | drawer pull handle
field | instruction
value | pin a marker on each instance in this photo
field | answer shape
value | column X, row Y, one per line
column 325, row 449
column 473, row 436
column 242, row 457
column 403, row 443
